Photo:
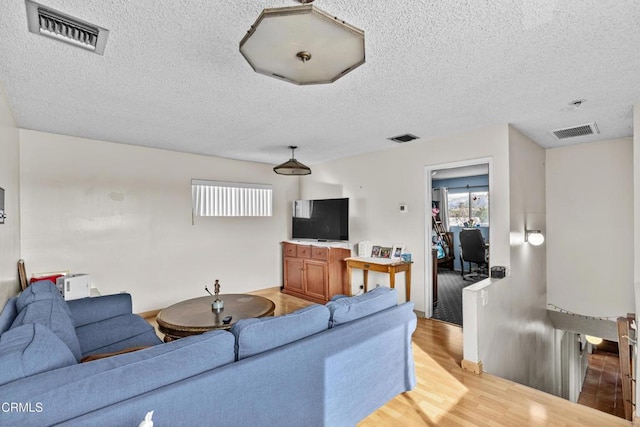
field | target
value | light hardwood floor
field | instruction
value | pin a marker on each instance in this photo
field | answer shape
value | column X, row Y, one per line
column 447, row 395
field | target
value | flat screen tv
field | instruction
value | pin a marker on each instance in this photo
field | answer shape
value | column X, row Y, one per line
column 326, row 219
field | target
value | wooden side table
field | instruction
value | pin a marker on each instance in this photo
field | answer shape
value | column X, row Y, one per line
column 384, row 266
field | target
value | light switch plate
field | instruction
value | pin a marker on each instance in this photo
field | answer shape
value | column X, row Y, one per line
column 2, row 214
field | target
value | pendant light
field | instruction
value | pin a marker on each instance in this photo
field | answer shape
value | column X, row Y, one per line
column 292, row 166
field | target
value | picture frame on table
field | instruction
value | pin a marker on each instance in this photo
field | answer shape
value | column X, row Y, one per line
column 385, row 252
column 397, row 251
column 375, row 252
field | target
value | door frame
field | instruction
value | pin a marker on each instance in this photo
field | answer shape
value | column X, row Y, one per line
column 428, row 264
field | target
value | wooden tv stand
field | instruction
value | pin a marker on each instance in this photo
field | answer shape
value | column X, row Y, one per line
column 314, row 272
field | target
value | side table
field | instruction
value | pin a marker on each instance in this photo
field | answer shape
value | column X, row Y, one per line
column 384, row 266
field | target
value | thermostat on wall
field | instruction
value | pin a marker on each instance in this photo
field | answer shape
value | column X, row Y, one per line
column 2, row 215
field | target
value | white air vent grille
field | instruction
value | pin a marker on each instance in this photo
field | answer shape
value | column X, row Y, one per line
column 403, row 138
column 57, row 25
column 572, row 132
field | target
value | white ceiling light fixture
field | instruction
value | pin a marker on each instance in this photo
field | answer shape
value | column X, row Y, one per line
column 574, row 105
column 292, row 166
column 303, row 45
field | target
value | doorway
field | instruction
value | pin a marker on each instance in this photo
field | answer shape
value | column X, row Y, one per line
column 458, row 199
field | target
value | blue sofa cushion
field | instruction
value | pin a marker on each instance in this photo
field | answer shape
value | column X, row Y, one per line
column 255, row 336
column 31, row 349
column 51, row 314
column 89, row 310
column 116, row 334
column 344, row 310
column 8, row 315
column 41, row 291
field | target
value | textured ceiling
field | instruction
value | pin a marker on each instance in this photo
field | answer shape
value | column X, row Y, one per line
column 172, row 76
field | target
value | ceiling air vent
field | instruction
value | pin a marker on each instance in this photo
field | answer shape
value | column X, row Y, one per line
column 403, row 138
column 582, row 130
column 51, row 23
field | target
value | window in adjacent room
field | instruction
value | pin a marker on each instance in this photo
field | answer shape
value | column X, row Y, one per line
column 459, row 213
column 219, row 198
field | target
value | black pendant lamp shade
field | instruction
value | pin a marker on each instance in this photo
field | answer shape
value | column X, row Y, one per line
column 292, row 166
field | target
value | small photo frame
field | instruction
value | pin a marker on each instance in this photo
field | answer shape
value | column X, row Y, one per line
column 375, row 252
column 396, row 252
column 385, row 252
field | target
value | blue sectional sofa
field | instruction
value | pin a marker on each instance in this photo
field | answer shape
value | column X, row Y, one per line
column 324, row 365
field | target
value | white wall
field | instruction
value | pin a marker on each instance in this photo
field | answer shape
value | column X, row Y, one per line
column 9, row 180
column 123, row 215
column 590, row 249
column 377, row 183
column 515, row 339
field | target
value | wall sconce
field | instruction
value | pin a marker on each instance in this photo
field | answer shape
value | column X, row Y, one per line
column 535, row 237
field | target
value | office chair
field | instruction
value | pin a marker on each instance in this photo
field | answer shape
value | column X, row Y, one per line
column 473, row 249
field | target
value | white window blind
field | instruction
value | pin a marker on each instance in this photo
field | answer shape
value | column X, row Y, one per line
column 218, row 198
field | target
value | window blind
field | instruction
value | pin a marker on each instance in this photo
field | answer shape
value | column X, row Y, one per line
column 218, row 198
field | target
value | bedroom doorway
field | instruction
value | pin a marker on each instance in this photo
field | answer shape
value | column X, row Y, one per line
column 457, row 200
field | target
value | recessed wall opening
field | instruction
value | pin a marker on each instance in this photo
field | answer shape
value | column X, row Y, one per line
column 458, row 236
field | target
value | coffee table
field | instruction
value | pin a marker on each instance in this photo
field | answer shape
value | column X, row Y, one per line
column 195, row 316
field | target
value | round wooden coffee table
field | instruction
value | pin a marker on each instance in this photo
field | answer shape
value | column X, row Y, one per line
column 195, row 316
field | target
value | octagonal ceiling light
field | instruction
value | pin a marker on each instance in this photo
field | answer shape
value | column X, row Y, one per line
column 302, row 45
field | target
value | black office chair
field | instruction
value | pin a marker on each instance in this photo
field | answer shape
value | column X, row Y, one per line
column 474, row 251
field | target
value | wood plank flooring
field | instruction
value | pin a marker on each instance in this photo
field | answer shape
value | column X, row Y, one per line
column 602, row 388
column 446, row 395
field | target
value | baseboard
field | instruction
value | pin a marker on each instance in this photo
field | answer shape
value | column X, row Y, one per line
column 148, row 314
column 475, row 367
column 420, row 314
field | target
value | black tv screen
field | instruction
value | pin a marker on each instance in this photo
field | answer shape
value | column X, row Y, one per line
column 326, row 219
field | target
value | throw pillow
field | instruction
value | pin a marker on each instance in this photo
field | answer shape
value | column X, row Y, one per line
column 40, row 291
column 344, row 310
column 30, row 349
column 51, row 314
column 255, row 336
column 8, row 315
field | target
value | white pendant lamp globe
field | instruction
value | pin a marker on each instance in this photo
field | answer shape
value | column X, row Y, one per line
column 292, row 166
column 302, row 45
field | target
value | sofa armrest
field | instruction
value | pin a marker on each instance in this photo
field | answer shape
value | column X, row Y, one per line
column 91, row 310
